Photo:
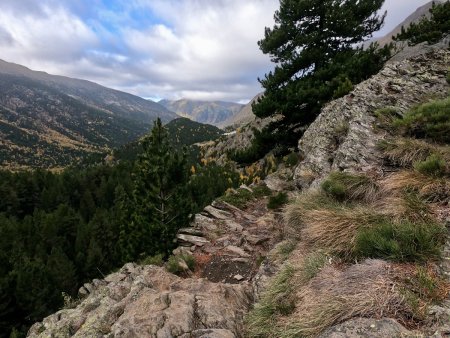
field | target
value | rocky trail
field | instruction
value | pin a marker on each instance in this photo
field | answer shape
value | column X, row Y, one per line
column 229, row 245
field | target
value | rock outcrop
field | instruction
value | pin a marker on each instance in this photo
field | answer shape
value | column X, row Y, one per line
column 147, row 301
column 343, row 138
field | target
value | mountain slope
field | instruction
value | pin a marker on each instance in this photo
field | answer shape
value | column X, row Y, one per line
column 51, row 121
column 244, row 116
column 210, row 112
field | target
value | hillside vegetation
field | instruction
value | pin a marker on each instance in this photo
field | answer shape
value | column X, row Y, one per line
column 367, row 245
column 50, row 121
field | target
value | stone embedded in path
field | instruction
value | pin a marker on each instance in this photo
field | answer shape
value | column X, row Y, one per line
column 236, row 250
column 257, row 239
column 192, row 240
column 233, row 226
column 216, row 213
column 222, row 205
column 238, row 277
column 204, row 223
column 191, row 231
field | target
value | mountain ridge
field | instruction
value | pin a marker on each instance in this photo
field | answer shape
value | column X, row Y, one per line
column 209, row 112
column 51, row 121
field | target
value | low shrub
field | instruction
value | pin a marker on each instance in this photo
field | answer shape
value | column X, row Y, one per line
column 387, row 116
column 239, row 199
column 157, row 260
column 291, row 160
column 428, row 121
column 175, row 263
column 261, row 191
column 434, row 166
column 345, row 187
column 403, row 241
column 277, row 201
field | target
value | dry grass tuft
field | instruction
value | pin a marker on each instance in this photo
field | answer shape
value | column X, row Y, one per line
column 431, row 189
column 404, row 206
column 294, row 211
column 404, row 152
column 335, row 229
column 333, row 296
column 351, row 187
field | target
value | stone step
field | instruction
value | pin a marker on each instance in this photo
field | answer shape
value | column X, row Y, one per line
column 204, row 223
column 217, row 213
column 192, row 240
column 191, row 231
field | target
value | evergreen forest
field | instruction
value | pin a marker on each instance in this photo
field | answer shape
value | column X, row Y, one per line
column 60, row 230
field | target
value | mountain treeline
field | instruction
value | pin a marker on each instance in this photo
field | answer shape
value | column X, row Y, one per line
column 59, row 230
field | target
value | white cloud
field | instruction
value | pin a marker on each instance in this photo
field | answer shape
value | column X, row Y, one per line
column 200, row 49
column 45, row 41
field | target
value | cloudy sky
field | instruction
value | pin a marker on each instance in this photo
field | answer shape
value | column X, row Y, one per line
column 198, row 49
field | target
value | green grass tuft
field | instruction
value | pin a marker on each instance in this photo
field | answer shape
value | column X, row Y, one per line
column 428, row 121
column 277, row 201
column 242, row 196
column 173, row 263
column 157, row 260
column 404, row 241
column 434, row 166
column 291, row 159
column 312, row 265
column 276, row 300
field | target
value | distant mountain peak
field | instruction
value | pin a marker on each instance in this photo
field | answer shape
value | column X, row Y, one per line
column 210, row 112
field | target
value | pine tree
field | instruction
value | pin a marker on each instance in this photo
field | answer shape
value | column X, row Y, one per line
column 160, row 194
column 429, row 30
column 313, row 46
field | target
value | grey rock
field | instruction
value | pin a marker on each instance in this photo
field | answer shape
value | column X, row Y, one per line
column 281, row 180
column 191, row 240
column 233, row 226
column 190, row 231
column 204, row 223
column 215, row 333
column 236, row 250
column 367, row 328
column 155, row 303
column 216, row 213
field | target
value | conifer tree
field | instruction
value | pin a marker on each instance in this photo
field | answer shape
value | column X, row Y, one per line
column 429, row 30
column 161, row 205
column 314, row 46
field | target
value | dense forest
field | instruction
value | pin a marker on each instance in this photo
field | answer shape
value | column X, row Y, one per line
column 59, row 230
